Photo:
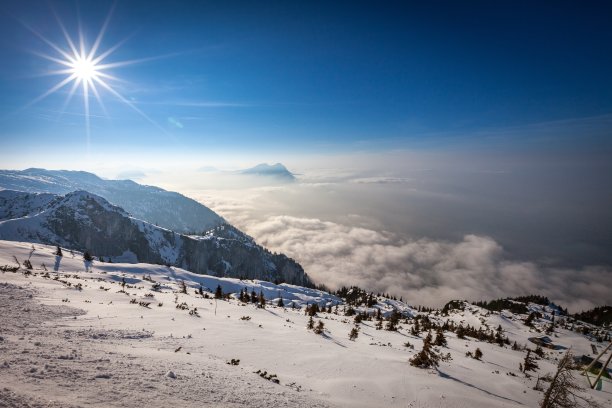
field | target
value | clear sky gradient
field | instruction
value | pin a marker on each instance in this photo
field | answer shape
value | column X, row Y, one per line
column 319, row 76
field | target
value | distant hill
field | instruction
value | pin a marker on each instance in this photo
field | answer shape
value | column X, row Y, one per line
column 155, row 205
column 270, row 170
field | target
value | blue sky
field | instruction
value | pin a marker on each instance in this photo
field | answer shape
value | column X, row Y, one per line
column 244, row 77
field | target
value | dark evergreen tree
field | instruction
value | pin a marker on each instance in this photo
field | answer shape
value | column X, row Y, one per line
column 529, row 364
column 427, row 357
column 530, row 319
column 87, row 256
column 354, row 333
column 440, row 338
column 460, row 332
column 219, row 292
column 58, row 251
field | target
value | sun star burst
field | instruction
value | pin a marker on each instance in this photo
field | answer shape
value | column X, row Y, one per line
column 84, row 68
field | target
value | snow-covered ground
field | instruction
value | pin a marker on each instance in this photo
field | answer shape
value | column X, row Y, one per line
column 97, row 346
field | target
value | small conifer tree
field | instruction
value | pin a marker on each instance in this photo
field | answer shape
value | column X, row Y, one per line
column 354, row 333
column 440, row 338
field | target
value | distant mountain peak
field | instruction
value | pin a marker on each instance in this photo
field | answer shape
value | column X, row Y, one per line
column 270, row 170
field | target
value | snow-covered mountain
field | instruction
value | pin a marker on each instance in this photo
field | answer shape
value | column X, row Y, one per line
column 157, row 206
column 16, row 204
column 156, row 333
column 83, row 221
column 277, row 171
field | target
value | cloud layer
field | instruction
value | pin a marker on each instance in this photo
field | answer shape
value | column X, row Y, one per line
column 438, row 228
column 424, row 271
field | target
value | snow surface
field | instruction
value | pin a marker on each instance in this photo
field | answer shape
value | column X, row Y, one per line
column 123, row 352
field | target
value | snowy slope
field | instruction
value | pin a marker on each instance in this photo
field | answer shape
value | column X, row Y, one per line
column 152, row 204
column 372, row 371
column 17, row 204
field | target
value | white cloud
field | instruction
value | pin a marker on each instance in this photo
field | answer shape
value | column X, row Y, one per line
column 424, row 271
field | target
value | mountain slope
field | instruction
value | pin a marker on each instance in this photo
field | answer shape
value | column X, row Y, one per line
column 84, row 221
column 157, row 206
column 148, row 326
column 16, row 204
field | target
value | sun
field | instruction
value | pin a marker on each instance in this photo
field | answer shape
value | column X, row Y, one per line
column 84, row 69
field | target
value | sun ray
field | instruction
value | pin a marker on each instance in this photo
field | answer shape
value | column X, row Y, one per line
column 65, row 32
column 46, row 41
column 127, row 102
column 75, row 85
column 96, row 44
column 67, row 62
column 87, row 119
column 94, row 89
column 51, row 90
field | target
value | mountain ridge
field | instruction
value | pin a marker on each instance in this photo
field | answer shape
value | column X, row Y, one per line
column 83, row 221
column 168, row 209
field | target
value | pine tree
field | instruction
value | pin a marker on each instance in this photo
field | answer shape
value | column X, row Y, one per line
column 415, row 329
column 87, row 256
column 310, row 324
column 262, row 300
column 460, row 332
column 427, row 357
column 440, row 338
column 320, row 327
column 393, row 320
column 218, row 292
column 58, row 251
column 530, row 318
column 529, row 364
column 563, row 391
column 499, row 336
column 182, row 287
column 477, row 354
column 354, row 333
column 280, row 302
